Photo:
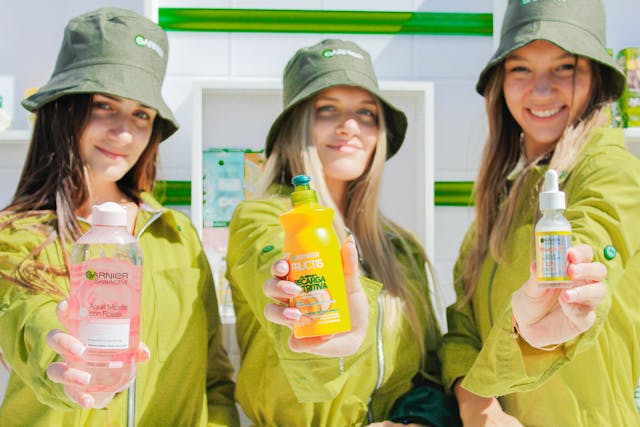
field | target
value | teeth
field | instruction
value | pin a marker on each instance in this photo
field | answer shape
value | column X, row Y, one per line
column 545, row 113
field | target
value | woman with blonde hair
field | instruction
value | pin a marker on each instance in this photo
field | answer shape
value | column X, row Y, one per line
column 337, row 128
column 517, row 353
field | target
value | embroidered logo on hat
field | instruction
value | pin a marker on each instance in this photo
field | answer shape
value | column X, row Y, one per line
column 329, row 53
column 526, row 2
column 144, row 42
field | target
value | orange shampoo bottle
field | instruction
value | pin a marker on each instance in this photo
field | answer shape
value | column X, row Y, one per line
column 314, row 264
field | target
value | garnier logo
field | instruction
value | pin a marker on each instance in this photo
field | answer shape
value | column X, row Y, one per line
column 91, row 275
column 526, row 2
column 145, row 42
column 329, row 53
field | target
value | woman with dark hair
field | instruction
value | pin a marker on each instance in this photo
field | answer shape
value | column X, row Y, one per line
column 516, row 353
column 99, row 122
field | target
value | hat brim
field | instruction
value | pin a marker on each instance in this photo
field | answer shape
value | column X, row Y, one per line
column 567, row 36
column 122, row 80
column 396, row 120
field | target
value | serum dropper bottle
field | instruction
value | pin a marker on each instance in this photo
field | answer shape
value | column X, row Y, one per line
column 553, row 236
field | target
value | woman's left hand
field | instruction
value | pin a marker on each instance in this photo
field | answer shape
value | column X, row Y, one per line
column 546, row 316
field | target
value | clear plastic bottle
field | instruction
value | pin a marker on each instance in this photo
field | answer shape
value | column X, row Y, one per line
column 553, row 236
column 104, row 305
column 314, row 264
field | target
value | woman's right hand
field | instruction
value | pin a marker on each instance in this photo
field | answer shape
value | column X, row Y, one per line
column 75, row 380
column 478, row 411
column 337, row 345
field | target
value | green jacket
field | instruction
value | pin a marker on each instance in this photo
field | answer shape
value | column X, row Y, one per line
column 590, row 380
column 187, row 381
column 277, row 387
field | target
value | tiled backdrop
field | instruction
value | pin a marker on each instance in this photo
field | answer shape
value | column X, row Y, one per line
column 451, row 62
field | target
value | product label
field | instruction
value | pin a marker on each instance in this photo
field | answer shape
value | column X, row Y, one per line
column 315, row 300
column 551, row 255
column 105, row 296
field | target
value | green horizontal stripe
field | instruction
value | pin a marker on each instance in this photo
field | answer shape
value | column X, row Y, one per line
column 453, row 193
column 325, row 21
column 447, row 193
column 173, row 193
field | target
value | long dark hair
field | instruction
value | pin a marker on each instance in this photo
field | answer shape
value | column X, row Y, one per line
column 53, row 177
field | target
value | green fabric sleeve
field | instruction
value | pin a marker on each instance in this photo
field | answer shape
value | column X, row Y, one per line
column 461, row 344
column 29, row 316
column 220, row 386
column 603, row 210
column 255, row 242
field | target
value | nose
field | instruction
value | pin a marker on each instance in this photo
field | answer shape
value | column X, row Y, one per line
column 542, row 85
column 121, row 129
column 349, row 127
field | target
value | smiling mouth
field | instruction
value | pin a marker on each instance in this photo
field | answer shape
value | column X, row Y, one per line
column 543, row 114
column 111, row 153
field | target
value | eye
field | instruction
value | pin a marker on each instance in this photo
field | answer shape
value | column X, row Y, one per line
column 143, row 115
column 101, row 105
column 367, row 115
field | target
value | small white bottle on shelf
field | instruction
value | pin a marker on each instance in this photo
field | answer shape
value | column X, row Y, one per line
column 553, row 236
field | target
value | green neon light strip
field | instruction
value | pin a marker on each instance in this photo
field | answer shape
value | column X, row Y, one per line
column 453, row 193
column 447, row 193
column 316, row 21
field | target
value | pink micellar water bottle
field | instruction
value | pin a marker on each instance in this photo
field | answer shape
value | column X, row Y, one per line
column 104, row 305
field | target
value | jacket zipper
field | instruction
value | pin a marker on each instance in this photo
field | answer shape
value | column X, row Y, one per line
column 380, row 350
column 131, row 391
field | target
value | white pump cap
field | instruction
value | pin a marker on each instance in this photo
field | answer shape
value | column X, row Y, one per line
column 109, row 213
column 551, row 197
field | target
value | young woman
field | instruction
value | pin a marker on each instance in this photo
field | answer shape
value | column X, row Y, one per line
column 552, row 357
column 339, row 130
column 100, row 120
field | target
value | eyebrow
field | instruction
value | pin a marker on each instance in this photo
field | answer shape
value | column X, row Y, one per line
column 119, row 98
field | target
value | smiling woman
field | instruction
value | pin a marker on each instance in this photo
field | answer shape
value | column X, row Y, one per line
column 515, row 353
column 99, row 122
column 337, row 128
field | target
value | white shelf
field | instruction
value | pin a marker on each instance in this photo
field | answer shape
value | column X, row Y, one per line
column 14, row 136
column 632, row 137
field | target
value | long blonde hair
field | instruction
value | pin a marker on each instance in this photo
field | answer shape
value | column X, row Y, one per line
column 294, row 153
column 495, row 204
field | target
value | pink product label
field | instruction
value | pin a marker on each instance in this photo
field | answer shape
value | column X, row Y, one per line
column 105, row 297
column 106, row 334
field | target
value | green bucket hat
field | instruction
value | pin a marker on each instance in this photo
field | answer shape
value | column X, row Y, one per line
column 331, row 63
column 577, row 26
column 112, row 51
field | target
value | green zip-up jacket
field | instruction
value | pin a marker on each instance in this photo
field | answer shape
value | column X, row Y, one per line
column 187, row 381
column 277, row 387
column 590, row 380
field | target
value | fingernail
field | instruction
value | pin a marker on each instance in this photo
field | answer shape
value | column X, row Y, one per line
column 82, row 378
column 280, row 268
column 63, row 305
column 292, row 313
column 77, row 348
column 290, row 289
column 87, row 402
column 571, row 294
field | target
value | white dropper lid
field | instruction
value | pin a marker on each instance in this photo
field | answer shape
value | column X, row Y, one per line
column 551, row 197
column 109, row 213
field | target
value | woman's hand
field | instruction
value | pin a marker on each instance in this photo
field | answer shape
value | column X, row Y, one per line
column 546, row 316
column 337, row 345
column 75, row 380
column 478, row 411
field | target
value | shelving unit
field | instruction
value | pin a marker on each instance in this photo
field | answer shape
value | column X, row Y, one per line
column 408, row 184
column 632, row 136
column 15, row 136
